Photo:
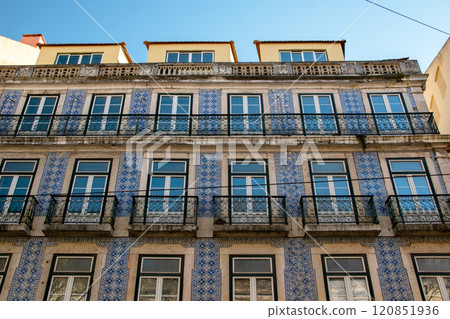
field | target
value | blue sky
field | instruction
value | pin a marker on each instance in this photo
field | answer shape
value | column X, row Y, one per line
column 378, row 34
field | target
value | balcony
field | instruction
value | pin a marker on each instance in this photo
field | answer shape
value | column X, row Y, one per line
column 219, row 125
column 80, row 215
column 172, row 215
column 17, row 213
column 339, row 215
column 255, row 214
column 420, row 214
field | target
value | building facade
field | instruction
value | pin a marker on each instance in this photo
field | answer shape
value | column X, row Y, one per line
column 195, row 177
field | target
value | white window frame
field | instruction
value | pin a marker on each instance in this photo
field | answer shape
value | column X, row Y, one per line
column 173, row 122
column 38, row 114
column 106, row 113
column 4, row 269
column 246, row 117
column 79, row 58
column 386, row 101
column 429, row 274
column 315, row 53
column 190, row 56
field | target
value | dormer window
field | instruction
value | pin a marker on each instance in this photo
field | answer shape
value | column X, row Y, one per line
column 303, row 56
column 86, row 58
column 187, row 57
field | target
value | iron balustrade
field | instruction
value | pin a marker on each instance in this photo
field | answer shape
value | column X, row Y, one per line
column 338, row 209
column 165, row 210
column 82, row 209
column 219, row 125
column 17, row 209
column 254, row 210
column 419, row 209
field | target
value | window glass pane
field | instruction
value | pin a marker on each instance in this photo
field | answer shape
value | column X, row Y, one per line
column 336, row 287
column 147, row 289
column 69, row 264
column 253, row 105
column 434, row 264
column 19, row 167
column 73, row 59
column 184, row 57
column 165, row 106
column 93, row 167
column 183, row 105
column 421, row 185
column 297, row 57
column 237, row 105
column 248, row 167
column 79, row 288
column 285, row 56
column 360, row 290
column 246, row 265
column 208, row 57
column 258, row 186
column 169, row 167
column 308, row 104
column 325, row 104
column 58, row 288
column 402, row 186
column 160, row 265
column 308, row 56
column 447, row 285
column 62, row 59
column 172, row 57
column 96, row 58
column 340, row 186
column 264, row 289
column 395, row 103
column 321, row 56
column 431, row 289
column 239, row 186
column 344, row 264
column 406, row 166
column 169, row 289
column 85, row 59
column 328, row 167
column 378, row 104
column 3, row 262
column 242, row 289
column 196, row 57
column 322, row 186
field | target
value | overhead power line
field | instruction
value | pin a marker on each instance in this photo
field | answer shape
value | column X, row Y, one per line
column 409, row 18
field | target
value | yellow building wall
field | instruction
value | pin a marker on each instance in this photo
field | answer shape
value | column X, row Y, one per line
column 436, row 92
column 157, row 52
column 111, row 53
column 270, row 52
column 16, row 53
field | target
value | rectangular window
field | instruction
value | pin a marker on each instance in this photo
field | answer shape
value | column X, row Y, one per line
column 70, row 278
column 173, row 113
column 253, row 278
column 159, row 278
column 167, row 189
column 318, row 113
column 332, row 190
column 15, row 182
column 245, row 114
column 37, row 114
column 86, row 58
column 105, row 113
column 347, row 278
column 4, row 262
column 303, row 56
column 187, row 57
column 413, row 187
column 248, row 190
column 87, row 195
column 390, row 112
column 433, row 273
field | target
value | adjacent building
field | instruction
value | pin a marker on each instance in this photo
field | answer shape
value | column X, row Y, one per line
column 197, row 177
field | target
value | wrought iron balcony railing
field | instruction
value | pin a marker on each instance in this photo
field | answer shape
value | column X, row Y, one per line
column 338, row 209
column 254, row 210
column 419, row 209
column 165, row 210
column 82, row 209
column 219, row 125
column 17, row 209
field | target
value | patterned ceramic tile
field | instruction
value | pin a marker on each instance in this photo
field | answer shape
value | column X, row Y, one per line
column 9, row 101
column 371, row 180
column 280, row 102
column 52, row 180
column 140, row 101
column 74, row 102
column 210, row 102
column 300, row 278
column 114, row 280
column 393, row 277
column 128, row 180
column 28, row 273
column 206, row 276
column 290, row 181
column 208, row 175
column 351, row 101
